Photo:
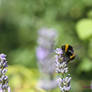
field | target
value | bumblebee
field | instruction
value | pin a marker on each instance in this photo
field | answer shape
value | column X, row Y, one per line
column 68, row 52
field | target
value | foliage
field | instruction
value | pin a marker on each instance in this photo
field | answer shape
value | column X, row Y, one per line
column 84, row 28
column 23, row 79
column 21, row 19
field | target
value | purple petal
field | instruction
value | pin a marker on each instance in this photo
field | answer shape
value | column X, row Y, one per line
column 41, row 53
column 2, row 55
column 59, row 51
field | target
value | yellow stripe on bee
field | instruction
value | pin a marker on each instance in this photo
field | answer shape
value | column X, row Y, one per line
column 66, row 47
column 72, row 56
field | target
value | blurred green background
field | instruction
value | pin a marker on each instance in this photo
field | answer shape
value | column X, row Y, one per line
column 19, row 22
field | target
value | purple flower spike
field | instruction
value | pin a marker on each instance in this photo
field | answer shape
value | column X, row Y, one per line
column 61, row 68
column 45, row 55
column 3, row 78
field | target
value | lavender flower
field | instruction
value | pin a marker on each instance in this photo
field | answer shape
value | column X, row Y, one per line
column 45, row 56
column 46, row 37
column 61, row 68
column 3, row 78
column 44, row 51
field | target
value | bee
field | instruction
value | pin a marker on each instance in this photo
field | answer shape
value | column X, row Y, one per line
column 68, row 52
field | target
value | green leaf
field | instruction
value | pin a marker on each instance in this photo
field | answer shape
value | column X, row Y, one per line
column 90, row 48
column 86, row 65
column 23, row 79
column 23, row 56
column 84, row 28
